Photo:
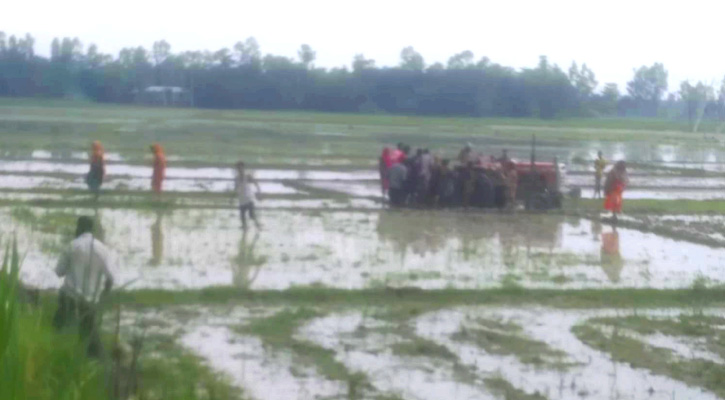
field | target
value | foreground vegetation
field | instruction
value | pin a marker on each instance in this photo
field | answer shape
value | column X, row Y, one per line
column 622, row 347
column 418, row 300
column 39, row 362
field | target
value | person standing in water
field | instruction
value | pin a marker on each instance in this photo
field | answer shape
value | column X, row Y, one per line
column 384, row 164
column 465, row 155
column 511, row 178
column 97, row 170
column 599, row 164
column 157, row 179
column 247, row 197
column 614, row 186
column 86, row 270
column 398, row 177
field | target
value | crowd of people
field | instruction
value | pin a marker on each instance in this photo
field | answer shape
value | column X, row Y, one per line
column 422, row 179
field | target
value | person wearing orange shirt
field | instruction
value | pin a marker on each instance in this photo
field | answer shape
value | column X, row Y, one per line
column 617, row 180
column 97, row 170
column 157, row 179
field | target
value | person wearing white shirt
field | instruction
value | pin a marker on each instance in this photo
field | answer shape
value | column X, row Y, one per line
column 247, row 196
column 85, row 267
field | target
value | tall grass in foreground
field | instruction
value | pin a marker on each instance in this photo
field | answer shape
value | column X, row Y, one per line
column 35, row 361
column 38, row 362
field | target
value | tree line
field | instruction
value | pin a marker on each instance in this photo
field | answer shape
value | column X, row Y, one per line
column 242, row 77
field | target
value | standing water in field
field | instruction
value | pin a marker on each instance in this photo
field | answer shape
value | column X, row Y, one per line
column 201, row 248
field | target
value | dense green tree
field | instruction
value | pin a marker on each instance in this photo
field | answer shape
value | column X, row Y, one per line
column 242, row 78
column 436, row 67
column 411, row 59
column 647, row 87
column 695, row 98
column 462, row 60
column 160, row 51
column 248, row 53
column 306, row 55
column 550, row 92
column 274, row 63
column 223, row 58
column 583, row 80
column 360, row 63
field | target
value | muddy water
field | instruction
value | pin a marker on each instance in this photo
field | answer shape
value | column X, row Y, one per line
column 594, row 376
column 362, row 349
column 664, row 194
column 200, row 248
column 140, row 171
column 263, row 374
column 70, row 155
column 651, row 181
column 365, row 344
column 173, row 185
column 361, row 183
column 361, row 189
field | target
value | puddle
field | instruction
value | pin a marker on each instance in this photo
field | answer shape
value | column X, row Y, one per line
column 595, row 376
column 369, row 353
column 351, row 188
column 366, row 345
column 74, row 155
column 141, row 184
column 192, row 248
column 706, row 228
column 208, row 332
column 655, row 182
column 664, row 194
column 127, row 170
column 261, row 373
column 684, row 347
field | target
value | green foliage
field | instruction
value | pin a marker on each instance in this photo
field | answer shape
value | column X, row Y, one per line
column 418, row 347
column 278, row 332
column 648, row 86
column 411, row 59
column 176, row 374
column 508, row 391
column 697, row 372
column 35, row 361
column 510, row 342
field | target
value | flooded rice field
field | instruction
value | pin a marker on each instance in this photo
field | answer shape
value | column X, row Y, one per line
column 326, row 233
column 708, row 229
column 189, row 248
column 471, row 352
column 44, row 175
column 326, row 228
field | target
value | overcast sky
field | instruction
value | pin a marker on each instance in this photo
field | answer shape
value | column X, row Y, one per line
column 612, row 36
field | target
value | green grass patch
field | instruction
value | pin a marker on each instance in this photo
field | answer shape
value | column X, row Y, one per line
column 696, row 372
column 177, row 374
column 505, row 389
column 417, row 300
column 692, row 325
column 420, row 347
column 648, row 206
column 278, row 332
column 511, row 343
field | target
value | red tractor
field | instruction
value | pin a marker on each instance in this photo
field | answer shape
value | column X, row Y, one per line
column 540, row 184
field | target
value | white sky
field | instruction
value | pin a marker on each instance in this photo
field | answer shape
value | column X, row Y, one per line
column 612, row 37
